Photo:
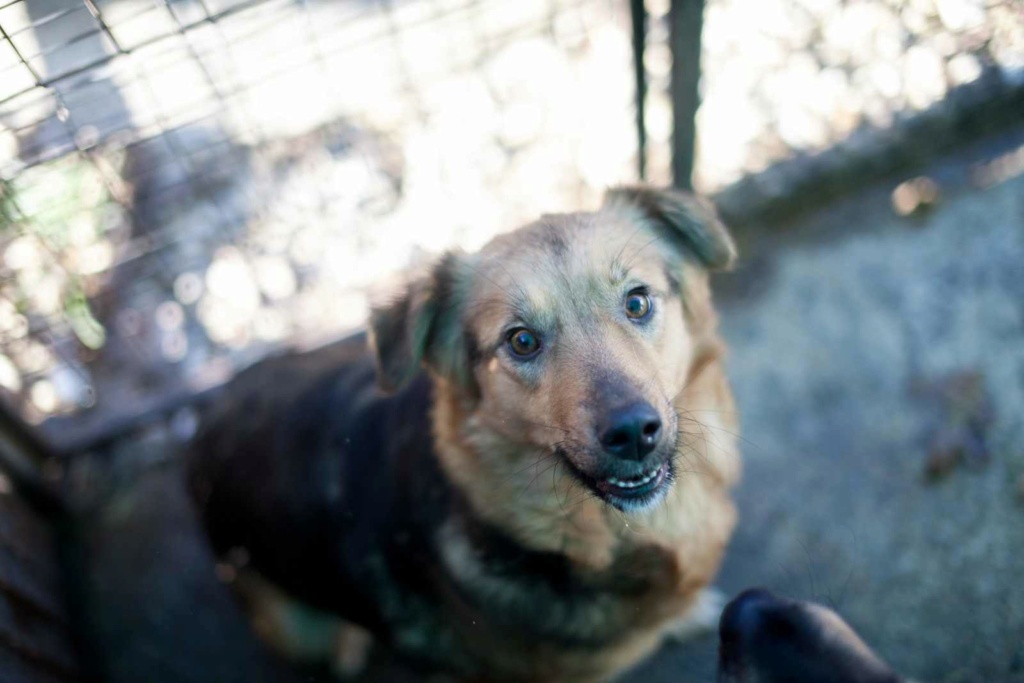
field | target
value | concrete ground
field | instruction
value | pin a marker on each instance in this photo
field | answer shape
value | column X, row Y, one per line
column 879, row 367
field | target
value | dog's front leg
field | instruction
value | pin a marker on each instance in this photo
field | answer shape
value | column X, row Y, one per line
column 300, row 633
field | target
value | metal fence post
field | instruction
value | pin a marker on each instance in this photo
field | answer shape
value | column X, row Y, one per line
column 687, row 18
column 638, row 19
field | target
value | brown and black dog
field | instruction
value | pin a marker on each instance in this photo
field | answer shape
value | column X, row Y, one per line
column 523, row 473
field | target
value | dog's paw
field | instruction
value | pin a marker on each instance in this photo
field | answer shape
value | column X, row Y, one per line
column 702, row 618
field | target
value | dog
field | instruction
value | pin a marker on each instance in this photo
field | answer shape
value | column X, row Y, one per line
column 522, row 472
column 764, row 638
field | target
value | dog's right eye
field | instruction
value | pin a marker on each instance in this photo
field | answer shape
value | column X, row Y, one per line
column 523, row 343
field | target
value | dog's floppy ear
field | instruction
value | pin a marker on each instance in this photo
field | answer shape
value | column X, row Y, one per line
column 422, row 326
column 684, row 217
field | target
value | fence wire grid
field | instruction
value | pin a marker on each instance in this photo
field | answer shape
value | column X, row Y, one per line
column 187, row 184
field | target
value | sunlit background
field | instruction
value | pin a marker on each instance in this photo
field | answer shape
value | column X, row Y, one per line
column 188, row 184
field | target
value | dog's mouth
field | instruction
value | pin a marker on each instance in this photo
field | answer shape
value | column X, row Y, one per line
column 638, row 486
column 633, row 493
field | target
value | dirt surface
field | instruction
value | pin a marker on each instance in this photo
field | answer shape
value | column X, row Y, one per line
column 879, row 366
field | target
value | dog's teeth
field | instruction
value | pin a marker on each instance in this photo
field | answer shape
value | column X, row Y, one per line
column 633, row 483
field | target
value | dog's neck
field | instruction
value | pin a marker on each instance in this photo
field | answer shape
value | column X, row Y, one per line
column 545, row 508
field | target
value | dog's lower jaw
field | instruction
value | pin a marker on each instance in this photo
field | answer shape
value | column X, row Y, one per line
column 650, row 493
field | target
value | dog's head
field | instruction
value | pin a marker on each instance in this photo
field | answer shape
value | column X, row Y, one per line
column 572, row 335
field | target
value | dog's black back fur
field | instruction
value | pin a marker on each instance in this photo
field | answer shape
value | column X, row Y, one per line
column 319, row 502
column 333, row 488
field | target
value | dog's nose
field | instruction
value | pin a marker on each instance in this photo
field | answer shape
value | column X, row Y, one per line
column 631, row 432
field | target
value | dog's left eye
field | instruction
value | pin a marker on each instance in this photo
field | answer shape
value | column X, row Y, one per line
column 523, row 342
column 637, row 304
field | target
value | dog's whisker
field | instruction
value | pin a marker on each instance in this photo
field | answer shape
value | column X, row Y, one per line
column 567, row 504
column 684, row 416
column 617, row 261
column 537, row 476
column 683, row 435
column 546, row 426
column 629, row 261
column 543, row 455
column 719, row 411
column 566, row 511
column 477, row 271
column 554, row 491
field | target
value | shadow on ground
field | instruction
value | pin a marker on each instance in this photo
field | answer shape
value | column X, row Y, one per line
column 879, row 366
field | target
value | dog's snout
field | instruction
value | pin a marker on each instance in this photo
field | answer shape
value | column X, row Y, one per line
column 631, row 432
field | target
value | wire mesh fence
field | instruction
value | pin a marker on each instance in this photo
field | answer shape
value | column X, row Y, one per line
column 187, row 184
